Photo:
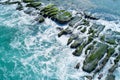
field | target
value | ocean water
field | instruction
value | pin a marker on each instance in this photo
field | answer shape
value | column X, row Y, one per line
column 32, row 51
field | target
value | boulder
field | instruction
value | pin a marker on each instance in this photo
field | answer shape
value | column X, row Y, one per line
column 49, row 11
column 63, row 16
column 96, row 54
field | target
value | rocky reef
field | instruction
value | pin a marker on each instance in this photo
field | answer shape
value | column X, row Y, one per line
column 86, row 36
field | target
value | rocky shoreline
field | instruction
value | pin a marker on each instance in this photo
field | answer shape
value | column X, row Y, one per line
column 83, row 31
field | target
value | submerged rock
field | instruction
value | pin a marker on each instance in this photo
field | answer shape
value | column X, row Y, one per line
column 74, row 20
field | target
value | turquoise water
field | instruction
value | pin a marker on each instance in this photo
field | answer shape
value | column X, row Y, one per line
column 32, row 51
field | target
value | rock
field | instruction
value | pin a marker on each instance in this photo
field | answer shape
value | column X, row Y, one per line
column 34, row 4
column 59, row 28
column 27, row 1
column 41, row 19
column 19, row 7
column 69, row 40
column 49, row 11
column 29, row 10
column 63, row 16
column 79, row 49
column 117, row 59
column 100, row 76
column 110, row 77
column 74, row 20
column 111, row 41
column 89, row 77
column 97, row 28
column 64, row 32
column 83, row 30
column 110, row 51
column 85, row 22
column 77, row 66
column 96, row 54
column 90, row 17
column 76, row 44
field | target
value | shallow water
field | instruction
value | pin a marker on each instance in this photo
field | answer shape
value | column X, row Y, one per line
column 32, row 51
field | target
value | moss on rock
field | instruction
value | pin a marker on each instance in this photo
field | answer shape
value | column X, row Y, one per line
column 63, row 16
column 97, row 53
column 33, row 4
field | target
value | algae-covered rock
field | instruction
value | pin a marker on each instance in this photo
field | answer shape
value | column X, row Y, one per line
column 83, row 30
column 69, row 40
column 96, row 54
column 33, row 4
column 110, row 52
column 97, row 28
column 63, row 16
column 76, row 43
column 110, row 77
column 41, row 19
column 111, row 41
column 64, row 32
column 79, row 49
column 50, row 11
column 27, row 1
column 85, row 22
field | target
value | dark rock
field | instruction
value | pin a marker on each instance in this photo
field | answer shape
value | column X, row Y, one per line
column 19, row 7
column 85, row 22
column 77, row 66
column 27, row 1
column 90, row 17
column 59, row 28
column 69, row 40
column 100, row 76
column 64, row 32
column 34, row 4
column 89, row 77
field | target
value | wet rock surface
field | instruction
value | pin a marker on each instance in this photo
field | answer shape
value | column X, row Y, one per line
column 85, row 36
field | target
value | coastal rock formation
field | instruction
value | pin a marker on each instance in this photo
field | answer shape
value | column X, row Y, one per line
column 85, row 36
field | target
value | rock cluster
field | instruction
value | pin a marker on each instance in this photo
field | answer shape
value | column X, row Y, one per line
column 86, row 36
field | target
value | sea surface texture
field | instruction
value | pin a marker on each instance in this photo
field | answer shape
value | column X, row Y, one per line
column 33, row 51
